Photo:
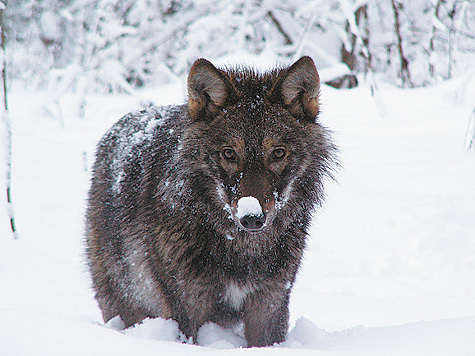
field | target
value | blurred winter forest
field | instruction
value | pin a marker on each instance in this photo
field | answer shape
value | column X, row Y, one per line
column 121, row 45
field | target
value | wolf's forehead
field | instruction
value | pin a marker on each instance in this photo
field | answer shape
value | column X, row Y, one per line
column 254, row 143
column 255, row 112
column 257, row 126
column 252, row 104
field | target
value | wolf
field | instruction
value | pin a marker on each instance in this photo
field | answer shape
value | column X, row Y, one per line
column 199, row 212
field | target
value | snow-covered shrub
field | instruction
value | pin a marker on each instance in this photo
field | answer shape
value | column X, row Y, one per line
column 119, row 45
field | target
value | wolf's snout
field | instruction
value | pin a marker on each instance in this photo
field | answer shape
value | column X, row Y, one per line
column 251, row 222
column 249, row 213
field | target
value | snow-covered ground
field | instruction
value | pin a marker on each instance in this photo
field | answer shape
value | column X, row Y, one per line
column 390, row 264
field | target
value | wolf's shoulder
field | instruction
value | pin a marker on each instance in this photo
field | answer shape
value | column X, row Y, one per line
column 137, row 126
column 137, row 134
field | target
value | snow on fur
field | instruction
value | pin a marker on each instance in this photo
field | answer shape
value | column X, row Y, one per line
column 141, row 132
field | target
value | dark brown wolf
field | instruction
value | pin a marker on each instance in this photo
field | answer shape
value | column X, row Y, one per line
column 200, row 212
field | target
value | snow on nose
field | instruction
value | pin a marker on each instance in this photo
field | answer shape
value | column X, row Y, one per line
column 248, row 206
column 249, row 213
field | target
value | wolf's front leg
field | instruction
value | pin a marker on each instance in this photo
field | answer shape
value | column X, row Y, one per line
column 266, row 317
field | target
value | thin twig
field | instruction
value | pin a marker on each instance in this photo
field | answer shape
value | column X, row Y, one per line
column 8, row 126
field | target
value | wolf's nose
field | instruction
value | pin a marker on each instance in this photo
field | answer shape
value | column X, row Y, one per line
column 252, row 222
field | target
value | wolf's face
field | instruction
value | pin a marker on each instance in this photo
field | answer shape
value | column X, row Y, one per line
column 256, row 153
column 258, row 139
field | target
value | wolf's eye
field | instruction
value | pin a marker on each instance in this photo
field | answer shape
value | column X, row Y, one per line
column 229, row 154
column 279, row 153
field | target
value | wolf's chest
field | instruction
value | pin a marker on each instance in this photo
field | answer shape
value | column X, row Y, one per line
column 235, row 294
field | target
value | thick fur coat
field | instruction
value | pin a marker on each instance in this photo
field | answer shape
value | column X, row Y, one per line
column 167, row 235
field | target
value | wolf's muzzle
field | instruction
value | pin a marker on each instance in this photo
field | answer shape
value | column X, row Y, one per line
column 252, row 222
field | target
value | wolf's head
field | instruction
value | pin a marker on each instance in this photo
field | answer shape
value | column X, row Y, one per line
column 256, row 139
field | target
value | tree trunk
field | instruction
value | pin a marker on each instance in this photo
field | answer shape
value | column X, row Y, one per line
column 404, row 73
column 8, row 126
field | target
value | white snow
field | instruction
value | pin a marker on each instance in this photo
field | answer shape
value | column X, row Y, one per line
column 248, row 206
column 214, row 336
column 390, row 263
column 336, row 71
column 157, row 329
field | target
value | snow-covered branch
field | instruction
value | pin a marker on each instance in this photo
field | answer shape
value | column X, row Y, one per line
column 119, row 45
column 7, row 125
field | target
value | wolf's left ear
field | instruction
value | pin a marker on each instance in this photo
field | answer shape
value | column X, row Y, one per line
column 208, row 89
column 299, row 89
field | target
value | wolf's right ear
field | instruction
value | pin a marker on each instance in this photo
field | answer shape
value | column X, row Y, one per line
column 208, row 90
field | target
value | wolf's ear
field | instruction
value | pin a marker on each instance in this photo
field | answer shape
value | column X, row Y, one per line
column 208, row 89
column 299, row 89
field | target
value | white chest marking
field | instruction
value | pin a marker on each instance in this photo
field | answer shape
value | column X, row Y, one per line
column 236, row 294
